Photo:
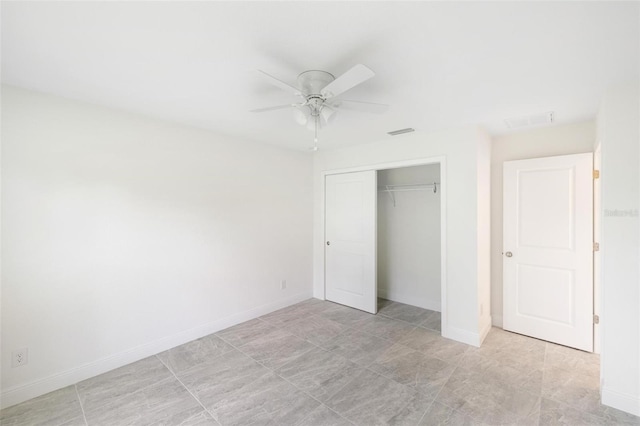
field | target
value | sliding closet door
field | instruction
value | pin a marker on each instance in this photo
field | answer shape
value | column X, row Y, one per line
column 350, row 239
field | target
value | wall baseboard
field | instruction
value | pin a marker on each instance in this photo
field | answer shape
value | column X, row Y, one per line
column 497, row 320
column 621, row 401
column 18, row 394
column 461, row 335
column 424, row 303
column 468, row 337
column 485, row 328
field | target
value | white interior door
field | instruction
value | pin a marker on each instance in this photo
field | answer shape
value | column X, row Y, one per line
column 548, row 249
column 350, row 239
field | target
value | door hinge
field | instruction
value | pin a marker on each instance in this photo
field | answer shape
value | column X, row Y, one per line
column 596, row 319
column 596, row 174
column 596, row 246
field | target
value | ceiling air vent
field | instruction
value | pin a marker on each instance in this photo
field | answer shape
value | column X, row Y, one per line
column 530, row 120
column 401, row 131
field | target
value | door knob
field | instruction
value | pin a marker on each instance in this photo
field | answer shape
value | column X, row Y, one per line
column 328, row 243
column 508, row 254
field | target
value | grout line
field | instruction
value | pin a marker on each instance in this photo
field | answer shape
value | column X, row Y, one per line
column 390, row 340
column 393, row 343
column 440, row 391
column 84, row 416
column 317, row 346
column 347, row 327
column 323, row 405
column 119, row 397
column 311, row 396
column 354, row 327
column 438, row 394
column 346, row 384
column 286, row 380
column 558, row 401
column 544, row 368
column 188, row 390
column 368, row 368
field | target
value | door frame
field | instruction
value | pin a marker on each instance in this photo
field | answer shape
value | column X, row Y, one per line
column 442, row 161
column 597, row 256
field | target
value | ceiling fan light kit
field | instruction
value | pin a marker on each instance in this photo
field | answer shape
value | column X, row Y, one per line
column 301, row 114
column 328, row 114
column 319, row 91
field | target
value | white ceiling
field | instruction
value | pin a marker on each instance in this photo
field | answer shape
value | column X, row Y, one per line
column 439, row 64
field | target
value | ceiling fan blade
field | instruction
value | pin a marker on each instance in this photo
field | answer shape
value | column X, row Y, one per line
column 372, row 107
column 279, row 83
column 348, row 80
column 273, row 108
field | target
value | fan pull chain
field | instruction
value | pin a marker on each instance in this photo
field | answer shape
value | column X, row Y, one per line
column 315, row 137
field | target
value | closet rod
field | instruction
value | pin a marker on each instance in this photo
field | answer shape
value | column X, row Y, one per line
column 390, row 189
column 412, row 187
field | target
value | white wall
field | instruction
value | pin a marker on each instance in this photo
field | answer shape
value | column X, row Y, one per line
column 123, row 236
column 544, row 142
column 460, row 148
column 619, row 136
column 409, row 238
column 483, row 243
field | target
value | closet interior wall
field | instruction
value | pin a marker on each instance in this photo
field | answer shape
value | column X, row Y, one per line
column 409, row 236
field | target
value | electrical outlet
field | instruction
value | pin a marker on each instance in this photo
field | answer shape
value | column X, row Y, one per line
column 19, row 357
column 283, row 284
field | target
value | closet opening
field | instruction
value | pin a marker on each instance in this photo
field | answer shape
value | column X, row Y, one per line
column 385, row 239
column 409, row 245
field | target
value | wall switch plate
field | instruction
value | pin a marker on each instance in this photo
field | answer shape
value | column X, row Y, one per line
column 283, row 284
column 19, row 357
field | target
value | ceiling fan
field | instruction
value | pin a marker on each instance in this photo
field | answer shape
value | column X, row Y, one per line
column 318, row 92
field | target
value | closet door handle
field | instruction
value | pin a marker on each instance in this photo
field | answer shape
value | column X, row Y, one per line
column 328, row 243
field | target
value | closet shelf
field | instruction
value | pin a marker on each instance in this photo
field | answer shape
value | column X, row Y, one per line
column 390, row 189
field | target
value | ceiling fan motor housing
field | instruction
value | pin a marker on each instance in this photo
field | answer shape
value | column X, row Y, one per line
column 313, row 81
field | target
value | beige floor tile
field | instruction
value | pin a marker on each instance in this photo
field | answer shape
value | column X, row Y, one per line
column 371, row 399
column 402, row 312
column 555, row 413
column 344, row 315
column 268, row 400
column 276, row 348
column 246, row 332
column 166, row 402
column 433, row 344
column 193, row 353
column 390, row 369
column 439, row 414
column 315, row 329
column 121, row 382
column 384, row 328
column 323, row 416
column 433, row 322
column 320, row 373
column 482, row 397
column 412, row 368
column 358, row 347
column 58, row 407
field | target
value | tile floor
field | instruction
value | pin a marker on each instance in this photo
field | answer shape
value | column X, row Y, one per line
column 319, row 363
